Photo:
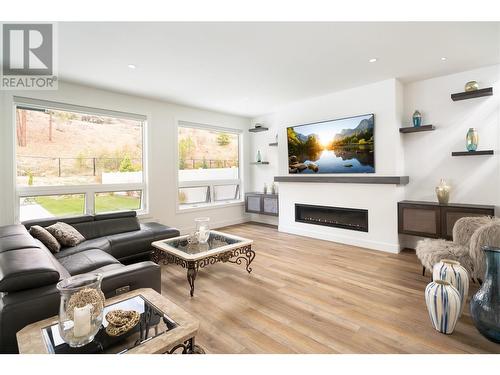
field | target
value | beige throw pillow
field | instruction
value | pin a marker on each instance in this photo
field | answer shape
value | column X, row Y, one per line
column 44, row 236
column 65, row 234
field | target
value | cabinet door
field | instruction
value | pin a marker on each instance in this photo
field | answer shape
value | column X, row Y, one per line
column 253, row 204
column 419, row 220
column 270, row 205
column 450, row 215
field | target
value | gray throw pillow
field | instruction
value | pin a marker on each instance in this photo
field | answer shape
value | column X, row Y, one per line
column 44, row 236
column 65, row 234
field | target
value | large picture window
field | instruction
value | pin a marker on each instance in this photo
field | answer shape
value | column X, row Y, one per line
column 73, row 160
column 209, row 170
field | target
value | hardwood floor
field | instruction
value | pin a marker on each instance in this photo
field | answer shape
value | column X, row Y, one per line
column 312, row 296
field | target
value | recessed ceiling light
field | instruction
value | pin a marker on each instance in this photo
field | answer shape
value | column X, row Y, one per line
column 132, row 66
column 443, row 58
column 372, row 60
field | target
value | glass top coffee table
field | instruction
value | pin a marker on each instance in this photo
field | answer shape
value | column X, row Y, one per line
column 189, row 254
column 163, row 328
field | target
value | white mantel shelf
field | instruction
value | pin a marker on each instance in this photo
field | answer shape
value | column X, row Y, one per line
column 389, row 180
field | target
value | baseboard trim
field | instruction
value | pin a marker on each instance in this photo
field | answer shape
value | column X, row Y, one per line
column 373, row 245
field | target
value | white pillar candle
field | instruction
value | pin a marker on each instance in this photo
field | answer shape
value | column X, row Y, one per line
column 81, row 319
column 203, row 234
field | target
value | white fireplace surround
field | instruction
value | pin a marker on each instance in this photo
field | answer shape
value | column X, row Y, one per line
column 379, row 200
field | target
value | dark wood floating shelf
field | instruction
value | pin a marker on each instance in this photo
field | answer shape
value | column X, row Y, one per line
column 390, row 180
column 259, row 162
column 257, row 130
column 415, row 129
column 273, row 144
column 472, row 94
column 472, row 153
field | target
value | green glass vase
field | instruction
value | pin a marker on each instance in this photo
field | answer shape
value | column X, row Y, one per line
column 471, row 140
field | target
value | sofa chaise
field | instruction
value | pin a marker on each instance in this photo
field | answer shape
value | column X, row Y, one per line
column 115, row 245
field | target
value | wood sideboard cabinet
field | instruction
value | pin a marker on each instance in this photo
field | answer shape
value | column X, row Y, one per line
column 260, row 203
column 431, row 219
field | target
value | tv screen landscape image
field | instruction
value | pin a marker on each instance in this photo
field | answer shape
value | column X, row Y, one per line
column 336, row 146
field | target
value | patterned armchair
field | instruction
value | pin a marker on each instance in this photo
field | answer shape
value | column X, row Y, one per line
column 470, row 234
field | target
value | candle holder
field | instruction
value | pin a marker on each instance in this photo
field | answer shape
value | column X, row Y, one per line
column 81, row 308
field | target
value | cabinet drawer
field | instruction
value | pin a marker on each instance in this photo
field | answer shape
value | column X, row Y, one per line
column 270, row 205
column 253, row 203
column 419, row 220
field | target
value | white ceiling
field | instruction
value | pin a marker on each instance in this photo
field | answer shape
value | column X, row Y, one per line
column 250, row 69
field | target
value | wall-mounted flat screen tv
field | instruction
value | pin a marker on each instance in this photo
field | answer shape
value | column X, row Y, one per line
column 337, row 146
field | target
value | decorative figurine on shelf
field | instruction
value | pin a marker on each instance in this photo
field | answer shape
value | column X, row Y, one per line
column 265, row 188
column 443, row 192
column 273, row 188
column 472, row 139
column 259, row 158
column 417, row 119
column 471, row 86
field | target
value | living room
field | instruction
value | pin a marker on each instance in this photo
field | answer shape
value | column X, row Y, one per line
column 250, row 188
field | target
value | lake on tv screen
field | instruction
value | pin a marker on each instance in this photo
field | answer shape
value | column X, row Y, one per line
column 337, row 146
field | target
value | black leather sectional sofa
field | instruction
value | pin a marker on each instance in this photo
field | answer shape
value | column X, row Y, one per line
column 29, row 272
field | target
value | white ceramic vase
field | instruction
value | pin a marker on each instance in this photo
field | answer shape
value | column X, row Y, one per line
column 443, row 305
column 451, row 271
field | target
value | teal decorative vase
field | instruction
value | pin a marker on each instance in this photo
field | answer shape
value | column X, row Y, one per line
column 451, row 271
column 259, row 158
column 417, row 119
column 443, row 305
column 472, row 139
column 485, row 304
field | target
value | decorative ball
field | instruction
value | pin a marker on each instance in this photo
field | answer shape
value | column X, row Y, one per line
column 121, row 321
column 471, row 86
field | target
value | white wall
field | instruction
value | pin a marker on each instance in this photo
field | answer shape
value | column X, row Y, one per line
column 428, row 155
column 473, row 179
column 161, row 135
column 381, row 98
column 424, row 157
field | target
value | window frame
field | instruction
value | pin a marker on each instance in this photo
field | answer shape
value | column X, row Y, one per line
column 88, row 190
column 180, row 208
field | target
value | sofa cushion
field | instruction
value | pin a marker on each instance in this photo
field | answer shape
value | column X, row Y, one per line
column 115, row 215
column 47, row 222
column 101, row 243
column 160, row 231
column 108, row 227
column 109, row 267
column 27, row 268
column 128, row 244
column 20, row 241
column 12, row 230
column 44, row 236
column 86, row 261
column 65, row 234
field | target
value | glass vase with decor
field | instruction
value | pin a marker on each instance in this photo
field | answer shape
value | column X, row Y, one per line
column 81, row 308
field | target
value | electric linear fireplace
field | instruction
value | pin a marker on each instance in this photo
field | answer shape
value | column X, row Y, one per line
column 339, row 217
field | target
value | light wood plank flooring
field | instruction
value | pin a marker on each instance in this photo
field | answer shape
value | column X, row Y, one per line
column 311, row 296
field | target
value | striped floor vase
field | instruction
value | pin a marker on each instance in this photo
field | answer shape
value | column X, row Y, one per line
column 444, row 304
column 456, row 275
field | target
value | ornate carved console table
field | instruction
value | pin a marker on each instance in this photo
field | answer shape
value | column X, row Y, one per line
column 220, row 247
